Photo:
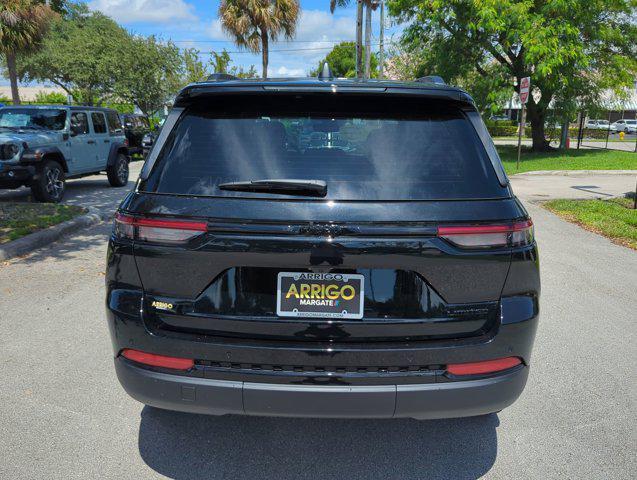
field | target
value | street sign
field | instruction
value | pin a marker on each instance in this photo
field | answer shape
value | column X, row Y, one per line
column 525, row 87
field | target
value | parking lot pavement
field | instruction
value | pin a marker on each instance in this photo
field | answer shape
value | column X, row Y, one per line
column 572, row 184
column 629, row 144
column 63, row 414
column 93, row 191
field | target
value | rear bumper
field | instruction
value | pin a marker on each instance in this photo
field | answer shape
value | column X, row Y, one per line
column 421, row 401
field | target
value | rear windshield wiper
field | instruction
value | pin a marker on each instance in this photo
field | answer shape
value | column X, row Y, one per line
column 308, row 188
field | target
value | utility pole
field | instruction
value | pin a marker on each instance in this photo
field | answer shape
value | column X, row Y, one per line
column 368, row 38
column 359, row 38
column 381, row 53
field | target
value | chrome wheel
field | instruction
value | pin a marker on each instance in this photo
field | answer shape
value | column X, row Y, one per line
column 122, row 171
column 54, row 183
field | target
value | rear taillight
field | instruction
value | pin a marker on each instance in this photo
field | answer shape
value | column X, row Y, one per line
column 174, row 363
column 484, row 236
column 156, row 229
column 481, row 368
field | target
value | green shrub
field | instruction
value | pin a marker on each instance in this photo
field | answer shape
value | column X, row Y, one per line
column 52, row 98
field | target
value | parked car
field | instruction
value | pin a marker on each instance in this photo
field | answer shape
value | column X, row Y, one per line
column 500, row 118
column 136, row 127
column 43, row 146
column 148, row 141
column 378, row 267
column 626, row 126
column 598, row 125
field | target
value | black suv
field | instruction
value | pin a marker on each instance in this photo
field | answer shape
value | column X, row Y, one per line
column 136, row 127
column 323, row 247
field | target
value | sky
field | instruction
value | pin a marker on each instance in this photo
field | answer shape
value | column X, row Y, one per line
column 194, row 23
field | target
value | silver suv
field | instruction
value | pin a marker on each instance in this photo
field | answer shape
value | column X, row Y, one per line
column 42, row 146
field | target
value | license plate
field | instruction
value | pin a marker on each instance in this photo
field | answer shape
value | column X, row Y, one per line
column 322, row 295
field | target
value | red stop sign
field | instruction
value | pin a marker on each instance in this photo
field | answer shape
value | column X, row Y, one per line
column 525, row 88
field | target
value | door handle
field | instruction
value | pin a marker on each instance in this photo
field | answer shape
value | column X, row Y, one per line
column 107, row 141
column 91, row 142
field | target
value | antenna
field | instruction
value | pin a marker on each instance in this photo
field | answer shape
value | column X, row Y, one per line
column 325, row 73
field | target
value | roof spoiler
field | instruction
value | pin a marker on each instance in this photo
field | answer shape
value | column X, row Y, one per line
column 221, row 77
column 431, row 79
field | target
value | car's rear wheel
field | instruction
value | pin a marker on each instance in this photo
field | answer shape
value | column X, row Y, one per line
column 49, row 183
column 118, row 172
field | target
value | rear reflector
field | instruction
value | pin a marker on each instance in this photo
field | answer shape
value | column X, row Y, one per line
column 488, row 366
column 163, row 361
column 157, row 229
column 481, row 236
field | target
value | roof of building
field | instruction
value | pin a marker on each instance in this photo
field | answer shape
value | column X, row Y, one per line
column 28, row 94
column 57, row 106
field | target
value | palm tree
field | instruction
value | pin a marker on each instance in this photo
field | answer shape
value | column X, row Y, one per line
column 23, row 23
column 253, row 23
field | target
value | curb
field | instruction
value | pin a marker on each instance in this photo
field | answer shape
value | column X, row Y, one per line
column 576, row 173
column 39, row 239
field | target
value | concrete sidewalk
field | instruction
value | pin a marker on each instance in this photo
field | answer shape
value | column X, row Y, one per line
column 537, row 186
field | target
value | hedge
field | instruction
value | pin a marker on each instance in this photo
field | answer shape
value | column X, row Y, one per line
column 512, row 131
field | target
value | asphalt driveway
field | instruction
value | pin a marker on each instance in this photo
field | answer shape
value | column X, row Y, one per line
column 63, row 414
column 93, row 191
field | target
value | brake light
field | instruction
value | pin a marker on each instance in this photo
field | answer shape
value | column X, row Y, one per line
column 480, row 236
column 488, row 366
column 157, row 229
column 154, row 360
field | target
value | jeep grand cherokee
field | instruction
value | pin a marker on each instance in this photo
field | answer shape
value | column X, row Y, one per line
column 323, row 247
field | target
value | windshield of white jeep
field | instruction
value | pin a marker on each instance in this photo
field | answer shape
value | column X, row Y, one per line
column 377, row 149
column 32, row 118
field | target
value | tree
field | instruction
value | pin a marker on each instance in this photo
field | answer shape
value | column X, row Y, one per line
column 83, row 53
column 220, row 62
column 195, row 70
column 23, row 23
column 150, row 73
column 569, row 49
column 253, row 23
column 342, row 61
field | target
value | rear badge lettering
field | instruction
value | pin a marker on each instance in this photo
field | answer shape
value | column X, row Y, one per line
column 162, row 305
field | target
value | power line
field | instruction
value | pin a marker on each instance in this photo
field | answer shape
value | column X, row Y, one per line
column 286, row 41
column 289, row 49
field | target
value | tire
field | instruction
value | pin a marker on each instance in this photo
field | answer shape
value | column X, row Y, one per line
column 118, row 172
column 48, row 184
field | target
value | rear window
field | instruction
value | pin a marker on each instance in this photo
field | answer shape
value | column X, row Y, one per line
column 114, row 123
column 365, row 148
column 99, row 123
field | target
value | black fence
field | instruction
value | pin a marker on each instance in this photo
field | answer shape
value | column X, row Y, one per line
column 612, row 133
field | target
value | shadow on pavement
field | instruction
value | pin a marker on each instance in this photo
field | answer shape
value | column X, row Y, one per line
column 186, row 446
column 71, row 245
column 95, row 192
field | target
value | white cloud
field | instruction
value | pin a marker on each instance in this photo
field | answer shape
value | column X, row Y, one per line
column 215, row 32
column 284, row 71
column 316, row 29
column 317, row 25
column 132, row 11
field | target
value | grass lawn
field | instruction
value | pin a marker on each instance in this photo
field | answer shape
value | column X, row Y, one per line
column 566, row 160
column 20, row 219
column 613, row 218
